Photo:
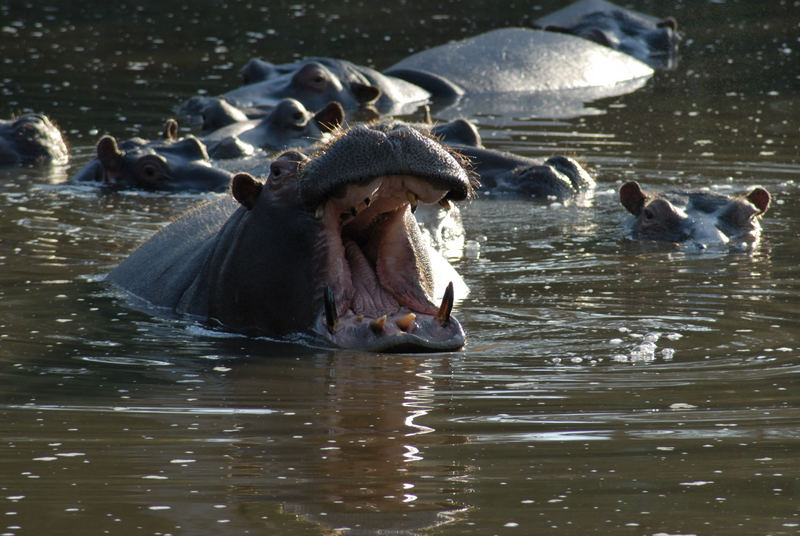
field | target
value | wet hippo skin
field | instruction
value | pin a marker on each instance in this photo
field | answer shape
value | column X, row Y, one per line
column 327, row 248
column 700, row 216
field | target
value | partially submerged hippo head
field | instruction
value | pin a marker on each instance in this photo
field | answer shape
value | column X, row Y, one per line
column 31, row 139
column 290, row 124
column 314, row 82
column 327, row 246
column 170, row 164
column 652, row 40
column 702, row 217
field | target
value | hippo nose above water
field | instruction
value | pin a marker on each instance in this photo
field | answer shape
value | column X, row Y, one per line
column 367, row 152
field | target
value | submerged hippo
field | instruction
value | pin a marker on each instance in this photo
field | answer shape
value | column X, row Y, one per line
column 170, row 164
column 527, row 62
column 31, row 139
column 290, row 124
column 652, row 40
column 506, row 174
column 327, row 247
column 314, row 82
column 701, row 217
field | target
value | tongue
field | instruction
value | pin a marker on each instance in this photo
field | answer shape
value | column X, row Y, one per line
column 369, row 299
column 403, row 268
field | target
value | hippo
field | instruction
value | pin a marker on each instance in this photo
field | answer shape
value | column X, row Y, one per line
column 559, row 178
column 697, row 216
column 31, row 139
column 170, row 164
column 325, row 252
column 288, row 125
column 652, row 40
column 532, row 64
column 314, row 82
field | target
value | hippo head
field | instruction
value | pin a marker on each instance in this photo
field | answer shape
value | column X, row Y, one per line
column 314, row 82
column 170, row 164
column 31, row 139
column 291, row 124
column 329, row 244
column 218, row 113
column 701, row 217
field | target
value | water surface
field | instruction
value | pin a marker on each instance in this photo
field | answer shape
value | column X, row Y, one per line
column 608, row 386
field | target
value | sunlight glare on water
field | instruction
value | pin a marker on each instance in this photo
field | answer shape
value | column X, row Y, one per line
column 608, row 385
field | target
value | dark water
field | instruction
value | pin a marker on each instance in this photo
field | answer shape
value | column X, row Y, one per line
column 607, row 387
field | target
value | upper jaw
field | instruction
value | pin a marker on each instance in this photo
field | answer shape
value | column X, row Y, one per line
column 368, row 151
column 376, row 283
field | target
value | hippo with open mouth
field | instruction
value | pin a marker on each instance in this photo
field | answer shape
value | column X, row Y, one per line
column 328, row 247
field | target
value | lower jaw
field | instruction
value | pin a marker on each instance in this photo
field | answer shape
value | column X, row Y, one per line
column 423, row 334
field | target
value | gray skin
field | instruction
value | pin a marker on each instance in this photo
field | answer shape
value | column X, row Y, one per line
column 168, row 165
column 327, row 251
column 652, row 40
column 31, row 139
column 700, row 217
column 518, row 60
column 505, row 174
column 288, row 125
column 314, row 82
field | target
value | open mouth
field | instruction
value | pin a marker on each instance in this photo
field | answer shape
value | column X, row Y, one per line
column 378, row 284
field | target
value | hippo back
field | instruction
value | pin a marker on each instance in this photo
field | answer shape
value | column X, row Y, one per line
column 163, row 268
column 523, row 60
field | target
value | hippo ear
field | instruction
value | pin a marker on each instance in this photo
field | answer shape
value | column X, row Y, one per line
column 246, row 189
column 364, row 93
column 170, row 130
column 632, row 197
column 108, row 153
column 668, row 22
column 330, row 117
column 760, row 199
column 256, row 70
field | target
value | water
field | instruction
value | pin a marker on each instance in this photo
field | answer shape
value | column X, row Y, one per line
column 608, row 386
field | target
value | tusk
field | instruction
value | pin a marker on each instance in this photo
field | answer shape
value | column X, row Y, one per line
column 445, row 204
column 377, row 324
column 405, row 322
column 443, row 314
column 331, row 316
column 319, row 212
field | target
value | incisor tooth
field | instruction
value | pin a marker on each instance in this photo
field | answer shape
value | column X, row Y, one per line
column 319, row 212
column 377, row 324
column 405, row 322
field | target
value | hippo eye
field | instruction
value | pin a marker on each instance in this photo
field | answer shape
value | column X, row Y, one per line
column 151, row 169
column 648, row 214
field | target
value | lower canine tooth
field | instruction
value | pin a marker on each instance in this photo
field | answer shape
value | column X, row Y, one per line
column 445, row 204
column 443, row 314
column 331, row 316
column 405, row 322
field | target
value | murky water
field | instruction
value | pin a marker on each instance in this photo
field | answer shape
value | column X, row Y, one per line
column 607, row 387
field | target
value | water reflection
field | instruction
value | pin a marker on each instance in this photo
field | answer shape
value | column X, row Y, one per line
column 606, row 385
